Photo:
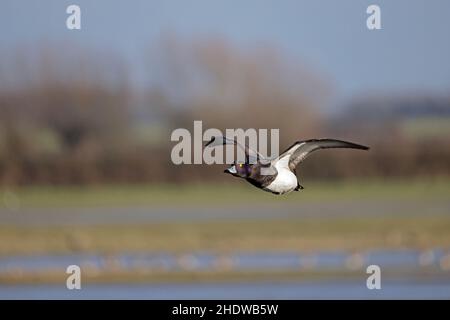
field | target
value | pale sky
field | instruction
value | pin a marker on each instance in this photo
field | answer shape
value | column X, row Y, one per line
column 410, row 54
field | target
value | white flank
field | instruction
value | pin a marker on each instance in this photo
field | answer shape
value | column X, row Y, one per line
column 286, row 180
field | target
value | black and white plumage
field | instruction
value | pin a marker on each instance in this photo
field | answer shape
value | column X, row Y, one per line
column 278, row 175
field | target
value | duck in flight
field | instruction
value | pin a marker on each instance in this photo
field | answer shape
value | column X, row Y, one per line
column 277, row 175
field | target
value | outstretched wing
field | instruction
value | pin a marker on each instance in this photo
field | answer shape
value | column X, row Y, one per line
column 251, row 155
column 300, row 150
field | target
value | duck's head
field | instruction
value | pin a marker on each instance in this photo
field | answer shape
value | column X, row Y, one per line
column 241, row 170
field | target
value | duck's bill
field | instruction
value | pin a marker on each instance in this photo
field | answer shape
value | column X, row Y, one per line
column 231, row 170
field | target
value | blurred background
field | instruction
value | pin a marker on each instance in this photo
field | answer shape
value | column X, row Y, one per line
column 86, row 176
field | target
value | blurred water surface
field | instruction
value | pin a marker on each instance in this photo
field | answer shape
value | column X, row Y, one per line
column 261, row 290
column 240, row 260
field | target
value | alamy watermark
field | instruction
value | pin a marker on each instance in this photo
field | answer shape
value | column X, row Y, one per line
column 73, row 21
column 374, row 280
column 190, row 147
column 373, row 22
column 73, row 281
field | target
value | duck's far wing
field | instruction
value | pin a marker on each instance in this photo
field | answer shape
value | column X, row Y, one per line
column 252, row 156
column 300, row 150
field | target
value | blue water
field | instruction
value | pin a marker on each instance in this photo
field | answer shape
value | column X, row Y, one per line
column 260, row 290
column 239, row 260
column 435, row 287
